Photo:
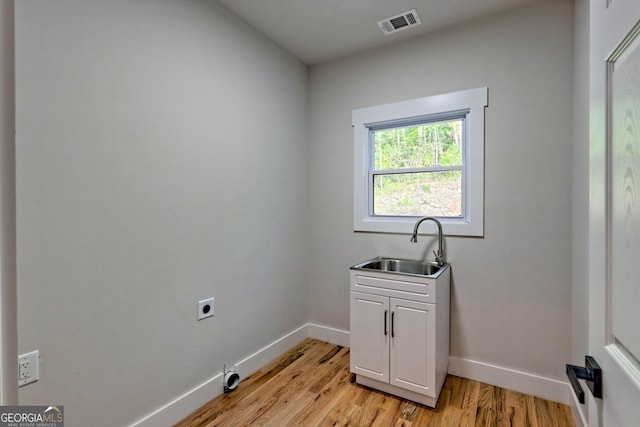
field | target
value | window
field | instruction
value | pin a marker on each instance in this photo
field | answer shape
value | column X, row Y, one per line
column 417, row 170
column 423, row 157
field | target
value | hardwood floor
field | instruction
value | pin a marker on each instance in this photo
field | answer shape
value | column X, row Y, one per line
column 311, row 386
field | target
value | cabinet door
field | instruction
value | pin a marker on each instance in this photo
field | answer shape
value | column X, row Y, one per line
column 370, row 336
column 412, row 353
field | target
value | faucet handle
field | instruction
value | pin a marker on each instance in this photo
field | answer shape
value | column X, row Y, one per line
column 438, row 256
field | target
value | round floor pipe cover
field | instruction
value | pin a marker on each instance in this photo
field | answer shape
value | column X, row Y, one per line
column 230, row 380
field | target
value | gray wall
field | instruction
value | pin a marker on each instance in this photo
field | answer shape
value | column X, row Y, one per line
column 8, row 306
column 580, row 186
column 580, row 208
column 161, row 159
column 511, row 293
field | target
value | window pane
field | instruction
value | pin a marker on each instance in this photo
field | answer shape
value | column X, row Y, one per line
column 419, row 146
column 418, row 194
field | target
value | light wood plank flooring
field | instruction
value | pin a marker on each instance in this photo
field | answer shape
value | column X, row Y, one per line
column 311, row 386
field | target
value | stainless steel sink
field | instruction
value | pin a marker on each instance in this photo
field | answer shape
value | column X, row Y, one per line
column 401, row 266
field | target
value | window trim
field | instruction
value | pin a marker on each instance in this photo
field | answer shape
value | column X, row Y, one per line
column 473, row 102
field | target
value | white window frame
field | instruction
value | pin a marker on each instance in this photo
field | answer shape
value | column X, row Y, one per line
column 468, row 103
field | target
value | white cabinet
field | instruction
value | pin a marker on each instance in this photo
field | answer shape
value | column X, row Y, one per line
column 400, row 333
column 370, row 336
column 412, row 351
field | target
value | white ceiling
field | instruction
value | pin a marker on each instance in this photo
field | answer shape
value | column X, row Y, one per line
column 319, row 30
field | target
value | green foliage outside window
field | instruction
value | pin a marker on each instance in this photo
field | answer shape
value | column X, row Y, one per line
column 430, row 145
column 419, row 146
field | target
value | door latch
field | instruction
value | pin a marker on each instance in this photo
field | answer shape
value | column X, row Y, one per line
column 591, row 373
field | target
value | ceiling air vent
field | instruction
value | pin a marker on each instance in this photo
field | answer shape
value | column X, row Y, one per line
column 400, row 22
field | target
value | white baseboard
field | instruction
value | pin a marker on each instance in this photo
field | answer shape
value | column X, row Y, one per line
column 522, row 382
column 327, row 334
column 257, row 360
column 197, row 397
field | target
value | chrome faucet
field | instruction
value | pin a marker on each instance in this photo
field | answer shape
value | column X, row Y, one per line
column 414, row 238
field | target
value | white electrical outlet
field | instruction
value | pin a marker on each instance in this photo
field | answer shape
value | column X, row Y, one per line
column 205, row 308
column 28, row 368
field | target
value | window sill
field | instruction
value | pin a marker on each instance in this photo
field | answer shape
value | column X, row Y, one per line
column 404, row 225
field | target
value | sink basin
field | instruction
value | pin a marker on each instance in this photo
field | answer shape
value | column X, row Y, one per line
column 401, row 266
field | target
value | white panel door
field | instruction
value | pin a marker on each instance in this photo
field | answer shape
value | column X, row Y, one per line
column 412, row 352
column 369, row 336
column 614, row 217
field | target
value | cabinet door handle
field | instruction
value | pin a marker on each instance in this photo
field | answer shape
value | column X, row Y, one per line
column 385, row 322
column 392, row 322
